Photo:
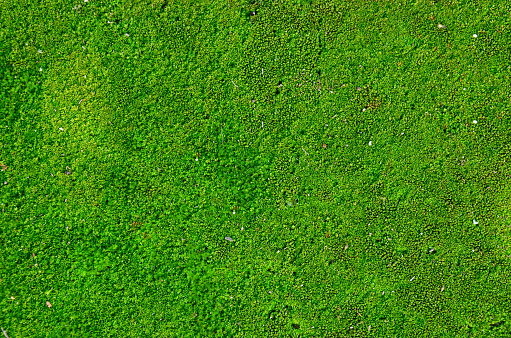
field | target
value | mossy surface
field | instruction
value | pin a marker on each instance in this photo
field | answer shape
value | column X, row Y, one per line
column 355, row 153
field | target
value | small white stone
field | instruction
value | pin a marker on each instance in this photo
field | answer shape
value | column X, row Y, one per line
column 127, row 34
column 40, row 69
column 61, row 128
column 196, row 159
column 474, row 121
column 39, row 51
column 475, row 35
column 370, row 143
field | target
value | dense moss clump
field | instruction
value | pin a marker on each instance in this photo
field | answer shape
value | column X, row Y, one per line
column 255, row 169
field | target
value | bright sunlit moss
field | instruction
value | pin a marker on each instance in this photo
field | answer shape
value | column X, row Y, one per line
column 254, row 169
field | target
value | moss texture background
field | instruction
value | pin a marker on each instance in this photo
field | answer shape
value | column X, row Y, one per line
column 356, row 153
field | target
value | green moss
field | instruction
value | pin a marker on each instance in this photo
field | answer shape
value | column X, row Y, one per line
column 355, row 154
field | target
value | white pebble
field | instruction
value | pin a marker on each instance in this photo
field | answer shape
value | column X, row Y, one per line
column 40, row 69
column 127, row 34
column 475, row 35
column 39, row 51
column 370, row 142
column 61, row 128
column 474, row 121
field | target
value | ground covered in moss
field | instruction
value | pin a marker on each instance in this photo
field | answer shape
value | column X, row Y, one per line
column 255, row 168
